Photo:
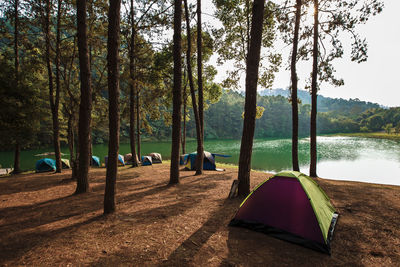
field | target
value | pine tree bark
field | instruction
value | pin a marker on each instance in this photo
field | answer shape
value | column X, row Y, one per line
column 113, row 93
column 200, row 142
column 132, row 90
column 249, row 122
column 199, row 165
column 176, row 94
column 85, row 106
column 314, row 88
column 295, row 108
column 17, row 168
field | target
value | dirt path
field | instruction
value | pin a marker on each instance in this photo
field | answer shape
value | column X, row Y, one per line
column 43, row 224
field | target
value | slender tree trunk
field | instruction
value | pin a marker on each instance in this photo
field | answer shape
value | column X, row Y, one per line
column 176, row 94
column 72, row 143
column 75, row 171
column 138, row 122
column 71, row 137
column 200, row 143
column 53, row 102
column 132, row 91
column 56, row 127
column 85, row 106
column 17, row 168
column 16, row 44
column 184, row 119
column 113, row 92
column 199, row 167
column 249, row 122
column 17, row 158
column 295, row 108
column 314, row 88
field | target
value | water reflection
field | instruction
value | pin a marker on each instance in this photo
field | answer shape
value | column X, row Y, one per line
column 348, row 158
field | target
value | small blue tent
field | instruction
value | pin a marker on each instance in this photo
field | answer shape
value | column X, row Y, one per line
column 96, row 161
column 208, row 163
column 147, row 160
column 45, row 165
column 121, row 161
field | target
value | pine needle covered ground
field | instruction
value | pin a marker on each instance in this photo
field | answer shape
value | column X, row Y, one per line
column 43, row 224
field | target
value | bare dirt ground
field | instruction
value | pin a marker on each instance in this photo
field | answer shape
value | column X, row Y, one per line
column 43, row 224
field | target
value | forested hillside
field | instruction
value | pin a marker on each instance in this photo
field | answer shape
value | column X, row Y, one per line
column 224, row 118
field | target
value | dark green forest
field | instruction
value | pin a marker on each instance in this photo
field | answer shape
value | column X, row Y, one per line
column 224, row 119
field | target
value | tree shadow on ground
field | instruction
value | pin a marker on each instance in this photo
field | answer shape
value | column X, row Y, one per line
column 18, row 244
column 187, row 250
column 24, row 227
column 23, row 182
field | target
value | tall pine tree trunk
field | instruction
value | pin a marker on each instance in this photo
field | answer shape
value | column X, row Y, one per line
column 176, row 94
column 200, row 142
column 249, row 122
column 113, row 92
column 138, row 121
column 85, row 107
column 199, row 166
column 17, row 168
column 314, row 88
column 56, row 127
column 295, row 109
column 53, row 102
column 132, row 90
column 184, row 118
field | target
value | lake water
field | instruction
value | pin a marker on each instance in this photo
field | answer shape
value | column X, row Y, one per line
column 341, row 158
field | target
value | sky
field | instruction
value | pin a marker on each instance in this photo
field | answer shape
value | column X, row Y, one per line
column 377, row 80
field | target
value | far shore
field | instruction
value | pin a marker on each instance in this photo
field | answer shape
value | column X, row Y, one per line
column 377, row 135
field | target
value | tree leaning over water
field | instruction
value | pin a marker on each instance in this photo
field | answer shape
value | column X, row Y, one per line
column 85, row 106
column 253, row 60
column 176, row 93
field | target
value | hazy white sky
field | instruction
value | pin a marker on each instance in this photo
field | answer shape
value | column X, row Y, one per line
column 377, row 80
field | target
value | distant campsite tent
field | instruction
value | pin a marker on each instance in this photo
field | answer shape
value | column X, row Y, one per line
column 208, row 163
column 183, row 159
column 121, row 161
column 128, row 158
column 96, row 161
column 65, row 164
column 45, row 165
column 146, row 161
column 156, row 157
column 290, row 206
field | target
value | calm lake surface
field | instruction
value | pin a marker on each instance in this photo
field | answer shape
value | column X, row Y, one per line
column 341, row 158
